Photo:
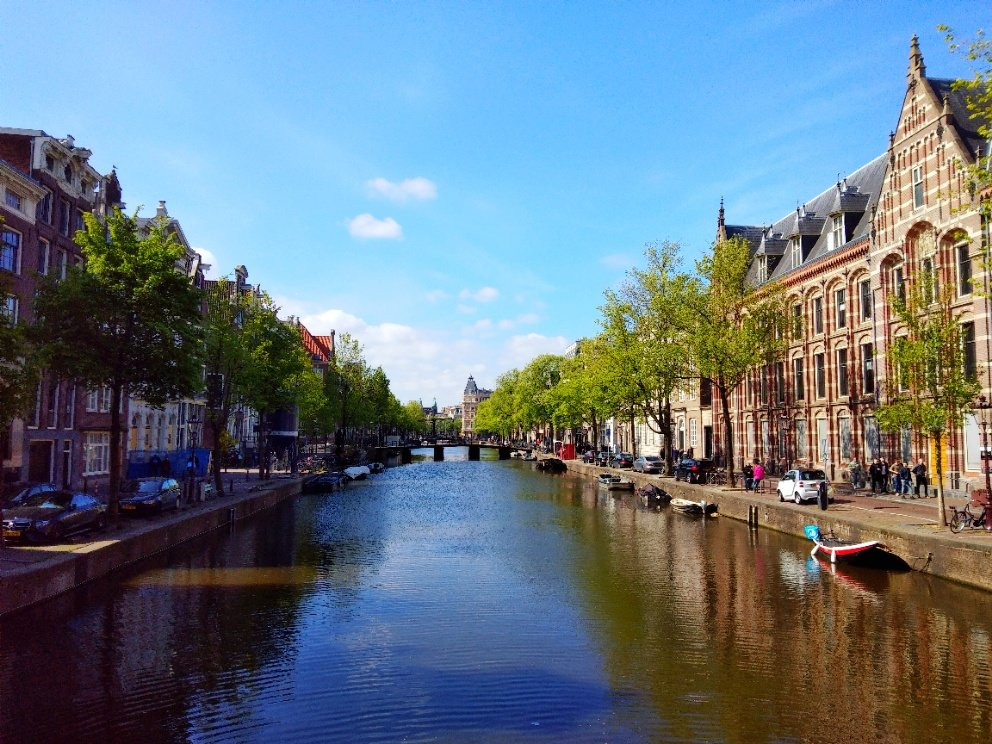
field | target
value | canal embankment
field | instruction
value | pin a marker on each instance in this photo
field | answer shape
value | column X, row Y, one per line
column 911, row 529
column 32, row 574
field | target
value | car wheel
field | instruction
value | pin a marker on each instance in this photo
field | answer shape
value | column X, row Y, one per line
column 781, row 496
column 797, row 498
column 58, row 533
column 175, row 506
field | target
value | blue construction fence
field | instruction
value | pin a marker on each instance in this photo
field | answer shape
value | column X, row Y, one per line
column 173, row 463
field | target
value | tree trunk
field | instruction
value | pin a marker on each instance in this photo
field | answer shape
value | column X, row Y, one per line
column 938, row 439
column 728, row 439
column 633, row 443
column 667, row 434
column 113, row 497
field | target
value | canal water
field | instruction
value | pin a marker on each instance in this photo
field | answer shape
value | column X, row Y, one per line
column 486, row 602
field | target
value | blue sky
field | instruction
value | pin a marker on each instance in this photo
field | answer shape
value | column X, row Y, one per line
column 456, row 183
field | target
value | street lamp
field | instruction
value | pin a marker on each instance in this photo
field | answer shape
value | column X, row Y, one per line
column 984, row 405
column 192, row 427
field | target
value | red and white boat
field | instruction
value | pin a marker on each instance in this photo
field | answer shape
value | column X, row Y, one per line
column 838, row 549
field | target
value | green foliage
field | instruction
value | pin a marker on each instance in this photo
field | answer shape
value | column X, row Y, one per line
column 128, row 320
column 928, row 388
column 17, row 363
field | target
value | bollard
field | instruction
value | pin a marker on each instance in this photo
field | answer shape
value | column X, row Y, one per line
column 231, row 515
column 231, row 490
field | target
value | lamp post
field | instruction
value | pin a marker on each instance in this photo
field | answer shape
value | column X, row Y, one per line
column 192, row 426
column 982, row 405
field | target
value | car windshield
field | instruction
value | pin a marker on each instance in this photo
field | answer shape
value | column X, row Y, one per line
column 650, row 458
column 49, row 500
column 812, row 475
column 142, row 486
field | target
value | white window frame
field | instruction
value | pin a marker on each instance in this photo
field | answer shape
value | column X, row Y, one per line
column 796, row 248
column 45, row 255
column 919, row 197
column 837, row 231
column 963, row 250
column 13, row 200
column 840, row 307
column 16, row 251
column 96, row 453
column 693, row 433
column 10, row 308
column 867, row 309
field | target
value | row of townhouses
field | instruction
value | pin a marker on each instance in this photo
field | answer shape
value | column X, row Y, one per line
column 841, row 256
column 46, row 184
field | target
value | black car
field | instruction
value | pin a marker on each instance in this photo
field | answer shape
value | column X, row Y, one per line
column 603, row 458
column 27, row 490
column 150, row 495
column 51, row 515
column 589, row 456
column 623, row 460
column 694, row 470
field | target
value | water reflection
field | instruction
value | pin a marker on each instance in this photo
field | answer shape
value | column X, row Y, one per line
column 483, row 601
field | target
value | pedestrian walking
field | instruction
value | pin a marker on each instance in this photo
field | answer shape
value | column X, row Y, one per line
column 920, row 471
column 758, row 471
column 885, row 473
column 905, row 479
column 748, row 477
column 896, row 479
column 875, row 476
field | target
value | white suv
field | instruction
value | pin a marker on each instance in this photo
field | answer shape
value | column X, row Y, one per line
column 801, row 485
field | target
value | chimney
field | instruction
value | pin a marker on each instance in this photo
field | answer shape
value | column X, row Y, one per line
column 161, row 211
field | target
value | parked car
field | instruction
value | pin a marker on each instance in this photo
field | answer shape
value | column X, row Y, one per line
column 801, row 485
column 589, row 456
column 694, row 470
column 623, row 460
column 648, row 464
column 603, row 458
column 27, row 490
column 52, row 515
column 150, row 495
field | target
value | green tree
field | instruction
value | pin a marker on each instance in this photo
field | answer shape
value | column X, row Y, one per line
column 414, row 419
column 19, row 372
column 498, row 414
column 129, row 319
column 929, row 386
column 732, row 325
column 646, row 332
column 533, row 397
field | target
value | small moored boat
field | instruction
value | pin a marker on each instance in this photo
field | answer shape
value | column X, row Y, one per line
column 615, row 482
column 650, row 493
column 828, row 545
column 376, row 467
column 697, row 508
column 357, row 472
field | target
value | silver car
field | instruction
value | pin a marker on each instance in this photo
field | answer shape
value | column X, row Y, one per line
column 648, row 464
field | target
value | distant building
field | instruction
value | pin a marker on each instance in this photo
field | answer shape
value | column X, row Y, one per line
column 471, row 399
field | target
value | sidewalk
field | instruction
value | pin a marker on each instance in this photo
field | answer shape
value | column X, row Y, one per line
column 238, row 485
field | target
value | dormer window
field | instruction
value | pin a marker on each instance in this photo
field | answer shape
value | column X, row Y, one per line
column 13, row 200
column 67, row 172
column 50, row 163
column 837, row 238
column 762, row 268
column 796, row 248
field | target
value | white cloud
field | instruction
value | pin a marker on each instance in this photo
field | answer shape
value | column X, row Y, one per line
column 522, row 349
column 436, row 294
column 367, row 226
column 617, row 261
column 410, row 188
column 483, row 324
column 506, row 324
column 528, row 318
column 486, row 294
column 209, row 258
column 465, row 309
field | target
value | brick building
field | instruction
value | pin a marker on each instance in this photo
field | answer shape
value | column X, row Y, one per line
column 471, row 399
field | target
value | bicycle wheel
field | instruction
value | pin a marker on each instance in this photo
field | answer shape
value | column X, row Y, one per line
column 959, row 521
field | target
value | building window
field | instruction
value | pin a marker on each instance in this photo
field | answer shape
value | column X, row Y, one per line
column 780, row 381
column 840, row 300
column 821, row 376
column 43, row 252
column 796, row 248
column 63, row 264
column 53, row 404
column 902, row 371
column 10, row 251
column 762, row 268
column 693, row 433
column 969, row 351
column 96, row 449
column 9, row 309
column 35, row 418
column 797, row 322
column 764, row 384
column 837, row 231
column 842, row 385
column 43, row 212
column 917, row 187
column 77, row 220
column 929, row 278
column 64, row 210
column 867, row 369
column 899, row 283
column 864, row 288
column 964, row 269
column 69, row 409
column 797, row 371
column 13, row 200
column 817, row 315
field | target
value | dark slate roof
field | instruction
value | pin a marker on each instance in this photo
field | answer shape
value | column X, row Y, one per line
column 751, row 233
column 470, row 387
column 967, row 125
column 856, row 193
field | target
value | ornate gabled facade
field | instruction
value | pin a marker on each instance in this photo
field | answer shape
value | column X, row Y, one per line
column 840, row 257
column 471, row 399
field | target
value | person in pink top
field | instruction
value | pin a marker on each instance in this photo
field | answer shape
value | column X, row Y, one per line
column 759, row 475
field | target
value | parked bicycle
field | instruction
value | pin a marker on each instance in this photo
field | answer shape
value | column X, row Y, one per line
column 961, row 518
